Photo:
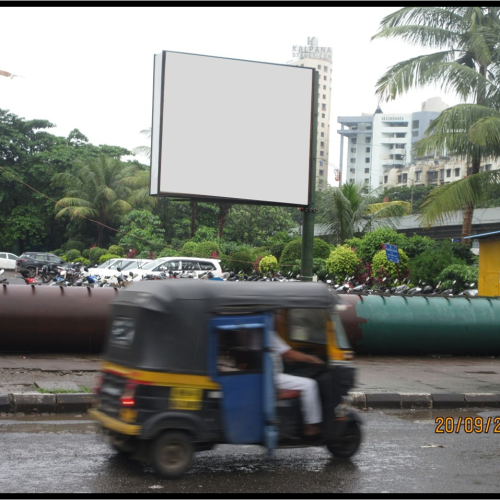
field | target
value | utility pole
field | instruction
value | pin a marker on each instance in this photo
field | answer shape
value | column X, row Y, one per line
column 309, row 211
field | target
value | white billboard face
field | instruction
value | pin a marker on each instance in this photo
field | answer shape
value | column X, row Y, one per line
column 231, row 129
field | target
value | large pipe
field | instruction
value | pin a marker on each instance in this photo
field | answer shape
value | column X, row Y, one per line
column 54, row 319
column 75, row 319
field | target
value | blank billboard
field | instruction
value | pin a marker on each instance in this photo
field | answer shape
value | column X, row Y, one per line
column 226, row 129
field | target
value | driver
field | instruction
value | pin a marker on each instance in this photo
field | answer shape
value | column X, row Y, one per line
column 309, row 393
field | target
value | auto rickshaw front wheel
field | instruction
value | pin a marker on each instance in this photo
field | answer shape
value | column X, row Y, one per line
column 172, row 454
column 348, row 443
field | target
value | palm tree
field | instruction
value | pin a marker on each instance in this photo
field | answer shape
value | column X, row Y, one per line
column 346, row 212
column 468, row 63
column 95, row 191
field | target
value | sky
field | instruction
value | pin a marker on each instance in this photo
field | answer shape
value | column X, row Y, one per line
column 91, row 68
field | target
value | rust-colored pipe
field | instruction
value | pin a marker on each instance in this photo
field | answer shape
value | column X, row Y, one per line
column 54, row 319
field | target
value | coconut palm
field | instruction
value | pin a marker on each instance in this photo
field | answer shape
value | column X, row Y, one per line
column 468, row 63
column 346, row 212
column 94, row 191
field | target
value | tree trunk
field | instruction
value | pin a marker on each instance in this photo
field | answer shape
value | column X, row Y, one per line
column 194, row 211
column 223, row 212
column 100, row 233
column 469, row 207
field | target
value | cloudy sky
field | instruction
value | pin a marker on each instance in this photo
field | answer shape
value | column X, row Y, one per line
column 91, row 68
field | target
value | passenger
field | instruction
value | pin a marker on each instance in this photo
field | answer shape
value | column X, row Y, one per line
column 309, row 392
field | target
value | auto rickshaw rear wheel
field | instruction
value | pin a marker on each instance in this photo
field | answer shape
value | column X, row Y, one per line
column 172, row 454
column 348, row 443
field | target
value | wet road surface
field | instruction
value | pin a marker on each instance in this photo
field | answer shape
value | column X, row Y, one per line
column 401, row 453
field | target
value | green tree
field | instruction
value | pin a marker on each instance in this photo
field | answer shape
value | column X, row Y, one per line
column 466, row 62
column 347, row 212
column 94, row 191
column 293, row 252
column 142, row 231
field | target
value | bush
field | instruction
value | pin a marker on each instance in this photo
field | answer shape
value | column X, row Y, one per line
column 170, row 252
column 460, row 273
column 382, row 268
column 117, row 250
column 342, row 262
column 268, row 263
column 96, row 253
column 372, row 242
column 429, row 264
column 241, row 261
column 204, row 233
column 417, row 244
column 73, row 256
column 463, row 251
column 74, row 245
column 353, row 243
column 86, row 253
column 319, row 269
column 189, row 249
column 293, row 252
column 208, row 249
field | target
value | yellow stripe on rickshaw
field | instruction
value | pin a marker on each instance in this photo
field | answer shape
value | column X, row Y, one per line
column 160, row 378
column 114, row 424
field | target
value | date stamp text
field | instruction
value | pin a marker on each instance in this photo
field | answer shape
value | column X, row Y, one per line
column 449, row 425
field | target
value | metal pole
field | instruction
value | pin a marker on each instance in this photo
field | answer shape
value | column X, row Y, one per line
column 309, row 211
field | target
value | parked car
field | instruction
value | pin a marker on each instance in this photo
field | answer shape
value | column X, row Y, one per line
column 31, row 261
column 110, row 267
column 8, row 260
column 180, row 265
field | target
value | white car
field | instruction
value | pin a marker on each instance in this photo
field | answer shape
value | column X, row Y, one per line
column 180, row 265
column 110, row 267
column 8, row 260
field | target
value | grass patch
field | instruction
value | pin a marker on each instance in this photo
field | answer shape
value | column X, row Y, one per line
column 81, row 388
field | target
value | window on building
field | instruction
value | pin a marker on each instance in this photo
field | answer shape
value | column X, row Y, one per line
column 321, row 172
column 457, row 172
column 399, row 179
column 415, row 124
column 441, row 174
column 322, row 124
column 414, row 134
column 322, row 153
column 322, row 134
column 353, row 150
column 367, row 149
column 324, row 87
column 324, row 78
column 352, row 170
column 323, row 107
column 487, row 167
column 469, row 170
column 385, row 179
column 367, row 170
column 325, row 68
column 324, row 96
column 319, row 66
column 353, row 160
column 367, row 160
column 353, row 140
column 322, row 144
column 322, row 115
column 432, row 176
column 368, row 127
column 405, row 178
column 368, row 139
column 367, row 181
column 401, row 134
column 418, row 176
column 448, row 172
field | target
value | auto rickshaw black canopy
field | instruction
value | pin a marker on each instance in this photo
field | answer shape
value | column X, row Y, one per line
column 170, row 317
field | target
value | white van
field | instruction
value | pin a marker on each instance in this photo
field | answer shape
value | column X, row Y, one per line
column 179, row 265
column 110, row 267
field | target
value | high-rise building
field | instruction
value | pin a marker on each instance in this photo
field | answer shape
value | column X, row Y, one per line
column 319, row 58
column 382, row 141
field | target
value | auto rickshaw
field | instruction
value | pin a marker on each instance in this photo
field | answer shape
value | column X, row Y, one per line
column 187, row 365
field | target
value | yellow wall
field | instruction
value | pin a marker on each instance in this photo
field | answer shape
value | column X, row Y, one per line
column 489, row 268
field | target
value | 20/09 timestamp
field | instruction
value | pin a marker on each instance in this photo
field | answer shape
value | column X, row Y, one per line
column 448, row 425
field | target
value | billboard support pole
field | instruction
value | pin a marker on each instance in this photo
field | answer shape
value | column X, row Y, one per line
column 309, row 211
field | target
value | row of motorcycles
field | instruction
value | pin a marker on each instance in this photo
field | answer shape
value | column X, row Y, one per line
column 227, row 276
column 74, row 274
column 373, row 286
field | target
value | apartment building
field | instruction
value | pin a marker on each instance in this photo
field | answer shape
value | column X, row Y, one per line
column 380, row 142
column 319, row 58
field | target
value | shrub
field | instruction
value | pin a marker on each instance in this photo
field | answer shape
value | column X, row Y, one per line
column 86, row 253
column 74, row 245
column 170, row 252
column 417, row 244
column 73, row 256
column 145, row 254
column 382, row 268
column 293, row 252
column 189, row 249
column 241, row 261
column 372, row 242
column 268, row 264
column 96, row 253
column 463, row 251
column 342, row 262
column 204, row 233
column 208, row 249
column 117, row 250
column 353, row 243
column 430, row 263
column 460, row 273
column 319, row 269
